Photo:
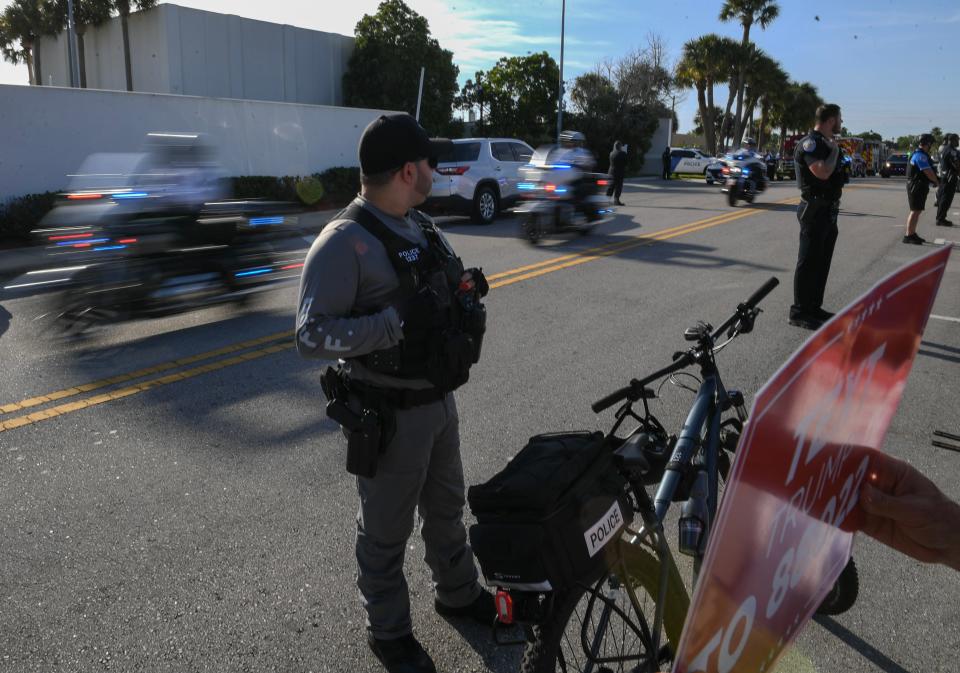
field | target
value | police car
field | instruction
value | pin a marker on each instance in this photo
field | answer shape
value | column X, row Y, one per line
column 689, row 161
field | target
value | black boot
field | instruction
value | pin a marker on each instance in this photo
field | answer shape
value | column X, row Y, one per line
column 481, row 610
column 402, row 655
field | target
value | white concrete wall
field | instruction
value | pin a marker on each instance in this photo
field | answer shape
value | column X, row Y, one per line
column 652, row 162
column 188, row 51
column 46, row 132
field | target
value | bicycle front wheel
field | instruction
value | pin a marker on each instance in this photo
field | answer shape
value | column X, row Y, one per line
column 599, row 628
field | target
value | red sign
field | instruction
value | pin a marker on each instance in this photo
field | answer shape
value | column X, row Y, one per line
column 784, row 530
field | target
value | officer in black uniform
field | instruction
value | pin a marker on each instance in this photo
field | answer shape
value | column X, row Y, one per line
column 949, row 173
column 383, row 292
column 920, row 176
column 820, row 177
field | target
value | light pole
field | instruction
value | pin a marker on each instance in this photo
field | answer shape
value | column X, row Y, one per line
column 72, row 57
column 563, row 22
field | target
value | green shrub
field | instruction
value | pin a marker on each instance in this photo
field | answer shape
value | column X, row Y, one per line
column 19, row 216
column 341, row 183
column 265, row 187
column 333, row 187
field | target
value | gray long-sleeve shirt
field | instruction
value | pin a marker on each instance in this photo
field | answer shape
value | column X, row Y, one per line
column 346, row 290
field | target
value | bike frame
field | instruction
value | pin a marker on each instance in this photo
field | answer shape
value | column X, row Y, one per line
column 699, row 440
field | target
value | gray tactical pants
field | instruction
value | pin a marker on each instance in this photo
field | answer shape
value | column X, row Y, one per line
column 419, row 471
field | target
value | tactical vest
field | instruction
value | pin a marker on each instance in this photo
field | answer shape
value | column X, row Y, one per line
column 917, row 179
column 812, row 187
column 948, row 163
column 442, row 351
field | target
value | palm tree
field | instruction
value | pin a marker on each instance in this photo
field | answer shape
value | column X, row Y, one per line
column 123, row 9
column 795, row 108
column 702, row 64
column 11, row 46
column 734, row 58
column 765, row 80
column 747, row 13
column 23, row 22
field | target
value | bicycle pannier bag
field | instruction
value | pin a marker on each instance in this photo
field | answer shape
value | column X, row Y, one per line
column 551, row 517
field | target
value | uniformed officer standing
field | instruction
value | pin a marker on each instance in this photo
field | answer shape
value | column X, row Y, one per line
column 920, row 176
column 618, row 170
column 820, row 177
column 383, row 292
column 949, row 173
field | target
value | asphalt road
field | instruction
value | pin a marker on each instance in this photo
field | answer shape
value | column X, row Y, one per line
column 173, row 498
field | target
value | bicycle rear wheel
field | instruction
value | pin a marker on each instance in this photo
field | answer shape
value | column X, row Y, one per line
column 598, row 629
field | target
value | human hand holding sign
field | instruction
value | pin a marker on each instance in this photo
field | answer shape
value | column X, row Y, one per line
column 906, row 511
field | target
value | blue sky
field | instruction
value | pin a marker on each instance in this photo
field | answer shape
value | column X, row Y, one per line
column 888, row 63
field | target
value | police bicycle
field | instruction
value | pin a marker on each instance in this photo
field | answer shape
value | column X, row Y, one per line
column 602, row 625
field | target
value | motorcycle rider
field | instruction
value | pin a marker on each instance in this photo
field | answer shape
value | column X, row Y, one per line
column 747, row 157
column 949, row 173
column 571, row 161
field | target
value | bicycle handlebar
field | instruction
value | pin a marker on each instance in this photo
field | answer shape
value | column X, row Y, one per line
column 761, row 293
column 637, row 386
column 685, row 359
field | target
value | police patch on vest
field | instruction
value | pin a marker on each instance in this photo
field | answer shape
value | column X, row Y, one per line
column 604, row 530
column 809, row 145
column 411, row 255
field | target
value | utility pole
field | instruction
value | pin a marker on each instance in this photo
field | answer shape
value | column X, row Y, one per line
column 563, row 23
column 479, row 91
column 423, row 70
column 72, row 57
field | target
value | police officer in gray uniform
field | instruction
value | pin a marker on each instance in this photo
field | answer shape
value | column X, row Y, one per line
column 383, row 292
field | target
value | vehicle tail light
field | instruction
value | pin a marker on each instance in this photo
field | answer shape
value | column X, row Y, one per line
column 504, row 607
column 84, row 196
column 603, row 183
column 550, row 187
column 453, row 170
column 69, row 237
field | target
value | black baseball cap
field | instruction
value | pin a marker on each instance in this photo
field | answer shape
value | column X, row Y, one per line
column 390, row 141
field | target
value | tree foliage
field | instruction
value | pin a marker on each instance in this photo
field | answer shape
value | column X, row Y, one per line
column 519, row 95
column 624, row 100
column 747, row 13
column 706, row 61
column 384, row 69
column 21, row 24
column 796, row 108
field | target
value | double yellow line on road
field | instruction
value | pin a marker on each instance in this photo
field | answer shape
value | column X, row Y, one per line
column 248, row 350
column 591, row 254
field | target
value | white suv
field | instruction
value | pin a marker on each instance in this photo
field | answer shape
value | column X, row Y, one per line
column 479, row 177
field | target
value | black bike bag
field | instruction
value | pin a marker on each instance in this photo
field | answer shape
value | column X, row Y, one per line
column 552, row 516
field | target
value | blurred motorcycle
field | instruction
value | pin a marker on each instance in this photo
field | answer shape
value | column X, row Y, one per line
column 127, row 277
column 556, row 198
column 744, row 178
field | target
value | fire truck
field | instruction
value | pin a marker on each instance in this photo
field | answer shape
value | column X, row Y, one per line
column 785, row 167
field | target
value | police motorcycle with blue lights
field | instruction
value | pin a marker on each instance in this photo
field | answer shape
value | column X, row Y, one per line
column 560, row 190
column 150, row 234
column 745, row 174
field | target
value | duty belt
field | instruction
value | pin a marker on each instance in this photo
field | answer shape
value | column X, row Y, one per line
column 399, row 398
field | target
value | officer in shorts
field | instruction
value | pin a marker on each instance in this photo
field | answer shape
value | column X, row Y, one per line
column 383, row 292
column 920, row 176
